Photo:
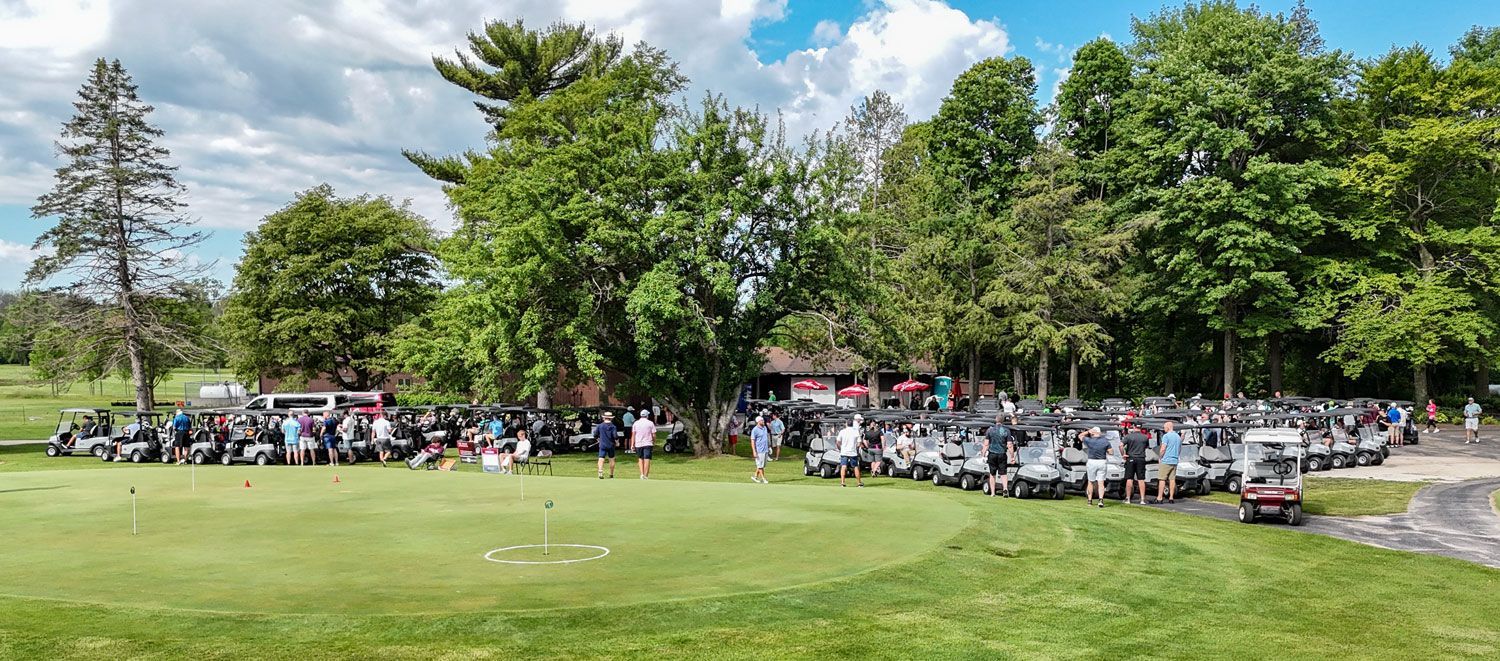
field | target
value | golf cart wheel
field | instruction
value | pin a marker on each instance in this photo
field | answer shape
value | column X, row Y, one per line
column 1314, row 464
column 1338, row 461
column 137, row 458
column 1363, row 459
column 1247, row 513
column 937, row 479
column 1377, row 460
column 53, row 451
column 825, row 471
column 397, row 454
column 226, row 459
column 1203, row 488
column 1294, row 514
column 262, row 459
column 807, row 470
column 1233, row 484
column 1023, row 490
column 99, row 451
column 918, row 473
column 200, row 458
column 966, row 482
column 1057, row 492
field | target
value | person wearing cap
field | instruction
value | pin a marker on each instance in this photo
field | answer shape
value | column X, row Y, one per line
column 1098, row 449
column 182, row 426
column 1471, row 422
column 605, row 435
column 642, row 438
column 1394, row 424
column 777, row 427
column 760, row 447
column 850, row 441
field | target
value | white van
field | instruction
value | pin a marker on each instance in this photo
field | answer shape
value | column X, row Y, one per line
column 319, row 401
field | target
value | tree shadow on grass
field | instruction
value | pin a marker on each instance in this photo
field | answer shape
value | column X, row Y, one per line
column 60, row 486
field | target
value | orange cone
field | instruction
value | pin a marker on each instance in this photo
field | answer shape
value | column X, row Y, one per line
column 247, row 484
column 335, row 478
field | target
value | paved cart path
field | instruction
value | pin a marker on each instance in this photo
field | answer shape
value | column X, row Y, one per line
column 1456, row 520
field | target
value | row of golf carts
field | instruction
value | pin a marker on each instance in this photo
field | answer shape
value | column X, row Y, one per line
column 1259, row 454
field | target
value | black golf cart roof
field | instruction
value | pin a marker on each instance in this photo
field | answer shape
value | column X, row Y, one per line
column 83, row 410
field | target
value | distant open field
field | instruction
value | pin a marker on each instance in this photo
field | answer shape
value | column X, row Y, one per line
column 28, row 406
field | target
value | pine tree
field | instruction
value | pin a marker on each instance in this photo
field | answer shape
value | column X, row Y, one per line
column 121, row 237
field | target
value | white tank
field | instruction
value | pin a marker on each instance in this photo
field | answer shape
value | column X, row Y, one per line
column 221, row 391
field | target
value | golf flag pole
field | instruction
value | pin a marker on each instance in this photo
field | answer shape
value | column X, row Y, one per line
column 132, row 511
column 545, row 543
column 522, row 476
column 194, row 471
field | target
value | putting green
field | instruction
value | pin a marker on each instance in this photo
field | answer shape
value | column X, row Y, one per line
column 393, row 541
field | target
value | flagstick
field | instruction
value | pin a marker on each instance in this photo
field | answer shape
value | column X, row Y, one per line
column 544, row 531
column 132, row 511
column 194, row 471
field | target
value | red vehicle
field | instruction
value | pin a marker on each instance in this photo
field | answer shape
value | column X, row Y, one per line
column 1273, row 476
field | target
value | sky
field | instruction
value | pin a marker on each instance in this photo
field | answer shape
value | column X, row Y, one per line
column 260, row 100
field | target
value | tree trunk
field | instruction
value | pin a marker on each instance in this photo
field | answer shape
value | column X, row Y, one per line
column 1482, row 371
column 1042, row 375
column 1229, row 362
column 973, row 376
column 544, row 398
column 1072, row 372
column 1017, row 382
column 1419, row 385
column 1274, row 360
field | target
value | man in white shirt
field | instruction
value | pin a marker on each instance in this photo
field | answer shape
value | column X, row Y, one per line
column 1008, row 406
column 381, row 430
column 850, row 441
column 522, row 452
column 643, row 438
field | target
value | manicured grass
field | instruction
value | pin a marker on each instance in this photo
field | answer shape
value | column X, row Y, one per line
column 1006, row 579
column 28, row 406
column 1346, row 496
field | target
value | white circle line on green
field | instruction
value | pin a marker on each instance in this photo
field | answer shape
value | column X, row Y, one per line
column 488, row 556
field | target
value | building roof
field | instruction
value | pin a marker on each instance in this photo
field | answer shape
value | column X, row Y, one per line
column 781, row 361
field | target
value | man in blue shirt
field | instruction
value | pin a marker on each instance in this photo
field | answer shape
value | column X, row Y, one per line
column 290, row 430
column 1171, row 448
column 778, row 432
column 1098, row 449
column 760, row 446
column 1471, row 422
column 606, row 434
column 182, row 426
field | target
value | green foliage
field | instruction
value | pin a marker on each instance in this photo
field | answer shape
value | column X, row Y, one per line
column 324, row 284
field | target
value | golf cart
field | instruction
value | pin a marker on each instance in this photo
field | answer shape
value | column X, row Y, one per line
column 252, row 437
column 959, row 464
column 899, row 466
column 69, row 437
column 1037, row 474
column 207, row 442
column 822, row 456
column 1273, row 476
column 146, row 444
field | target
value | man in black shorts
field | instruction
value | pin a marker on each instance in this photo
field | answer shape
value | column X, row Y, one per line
column 1135, row 444
column 998, row 445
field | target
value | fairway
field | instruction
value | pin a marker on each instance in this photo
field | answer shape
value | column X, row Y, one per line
column 395, row 541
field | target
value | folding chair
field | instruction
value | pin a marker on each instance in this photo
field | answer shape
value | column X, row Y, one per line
column 535, row 464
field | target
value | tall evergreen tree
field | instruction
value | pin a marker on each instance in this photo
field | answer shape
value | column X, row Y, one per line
column 121, row 236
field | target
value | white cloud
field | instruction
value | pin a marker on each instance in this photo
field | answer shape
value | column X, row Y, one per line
column 261, row 100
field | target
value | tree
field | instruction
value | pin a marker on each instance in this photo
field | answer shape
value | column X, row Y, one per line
column 1089, row 103
column 121, row 241
column 323, row 286
column 606, row 230
column 1227, row 135
column 1426, row 169
column 1058, row 278
column 513, row 65
column 981, row 137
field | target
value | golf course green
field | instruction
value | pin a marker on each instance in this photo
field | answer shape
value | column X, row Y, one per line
column 398, row 541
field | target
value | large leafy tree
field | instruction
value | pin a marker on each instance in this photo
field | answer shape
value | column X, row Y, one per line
column 1090, row 104
column 509, row 64
column 1228, row 130
column 323, row 286
column 121, row 241
column 607, row 231
column 980, row 138
column 1426, row 169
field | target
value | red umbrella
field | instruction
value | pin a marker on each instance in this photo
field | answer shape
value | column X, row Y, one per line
column 855, row 390
column 808, row 384
column 910, row 385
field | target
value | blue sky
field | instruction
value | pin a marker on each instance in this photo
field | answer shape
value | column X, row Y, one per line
column 262, row 100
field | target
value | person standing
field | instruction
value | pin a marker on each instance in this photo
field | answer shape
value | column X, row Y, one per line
column 1097, row 448
column 330, row 429
column 735, row 425
column 1432, row 411
column 778, row 433
column 1134, row 445
column 290, row 430
column 1171, row 450
column 182, row 428
column 605, row 436
column 849, row 441
column 348, row 427
column 1393, row 424
column 643, row 439
column 381, row 430
column 1471, row 422
column 760, row 445
column 305, row 442
column 999, row 445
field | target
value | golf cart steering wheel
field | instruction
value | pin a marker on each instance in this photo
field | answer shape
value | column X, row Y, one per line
column 1283, row 468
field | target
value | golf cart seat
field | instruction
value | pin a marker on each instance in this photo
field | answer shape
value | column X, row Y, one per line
column 1151, row 456
column 1074, row 456
column 817, row 445
column 1212, row 454
column 953, row 452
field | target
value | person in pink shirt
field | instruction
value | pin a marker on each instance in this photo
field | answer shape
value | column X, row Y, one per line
column 1432, row 410
column 643, row 438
